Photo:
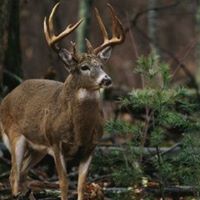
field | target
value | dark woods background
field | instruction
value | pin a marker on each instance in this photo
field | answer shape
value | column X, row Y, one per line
column 151, row 143
column 170, row 26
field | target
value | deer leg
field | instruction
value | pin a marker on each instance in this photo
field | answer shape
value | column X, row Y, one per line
column 31, row 158
column 62, row 172
column 17, row 153
column 82, row 171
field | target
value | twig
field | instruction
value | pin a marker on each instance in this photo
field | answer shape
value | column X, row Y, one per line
column 188, row 50
column 13, row 76
column 159, row 8
column 117, row 190
column 5, row 175
column 100, row 178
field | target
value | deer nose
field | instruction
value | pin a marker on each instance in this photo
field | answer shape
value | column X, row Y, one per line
column 106, row 81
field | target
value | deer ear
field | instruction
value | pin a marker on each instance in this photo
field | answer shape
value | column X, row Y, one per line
column 66, row 57
column 105, row 53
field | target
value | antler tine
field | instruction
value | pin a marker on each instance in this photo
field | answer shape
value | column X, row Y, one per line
column 50, row 21
column 115, row 22
column 46, row 32
column 66, row 32
column 101, row 25
column 118, row 35
column 49, row 29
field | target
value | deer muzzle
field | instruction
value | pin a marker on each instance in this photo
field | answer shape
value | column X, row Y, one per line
column 106, row 81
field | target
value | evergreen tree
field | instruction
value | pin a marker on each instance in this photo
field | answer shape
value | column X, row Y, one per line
column 164, row 116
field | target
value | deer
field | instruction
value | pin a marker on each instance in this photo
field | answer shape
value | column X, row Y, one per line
column 64, row 120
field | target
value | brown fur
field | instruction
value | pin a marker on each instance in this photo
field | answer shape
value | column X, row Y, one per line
column 51, row 116
column 64, row 120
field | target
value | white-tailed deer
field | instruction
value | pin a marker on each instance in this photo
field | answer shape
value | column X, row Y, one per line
column 64, row 120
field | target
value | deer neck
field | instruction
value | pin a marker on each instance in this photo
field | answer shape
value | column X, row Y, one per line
column 74, row 92
column 84, row 108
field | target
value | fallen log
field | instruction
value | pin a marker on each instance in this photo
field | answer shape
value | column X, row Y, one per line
column 175, row 191
column 145, row 150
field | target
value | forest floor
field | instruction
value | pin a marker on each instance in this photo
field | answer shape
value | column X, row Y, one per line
column 43, row 182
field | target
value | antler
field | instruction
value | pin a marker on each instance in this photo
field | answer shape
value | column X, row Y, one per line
column 51, row 38
column 118, row 35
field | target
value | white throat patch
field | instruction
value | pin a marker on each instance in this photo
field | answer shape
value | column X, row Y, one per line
column 84, row 94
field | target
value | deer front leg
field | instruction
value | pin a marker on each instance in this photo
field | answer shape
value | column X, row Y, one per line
column 82, row 171
column 62, row 172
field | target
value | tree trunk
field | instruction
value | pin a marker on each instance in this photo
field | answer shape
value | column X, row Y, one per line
column 152, row 25
column 83, row 30
column 4, row 16
column 12, row 61
column 152, row 33
column 198, row 42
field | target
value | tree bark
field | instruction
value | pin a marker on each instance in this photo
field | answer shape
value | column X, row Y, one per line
column 4, row 16
column 152, row 33
column 152, row 25
column 12, row 59
column 83, row 30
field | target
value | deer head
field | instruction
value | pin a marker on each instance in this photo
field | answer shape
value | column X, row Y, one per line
column 87, row 67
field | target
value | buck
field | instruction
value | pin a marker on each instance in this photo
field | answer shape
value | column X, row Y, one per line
column 64, row 120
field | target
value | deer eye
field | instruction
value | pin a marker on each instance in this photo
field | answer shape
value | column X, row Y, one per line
column 85, row 67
